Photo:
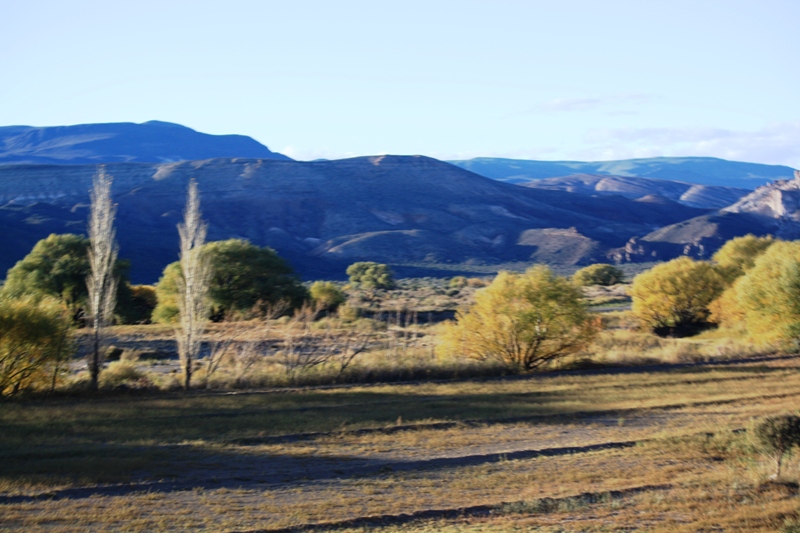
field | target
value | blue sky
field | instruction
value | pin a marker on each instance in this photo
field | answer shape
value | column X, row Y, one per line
column 567, row 79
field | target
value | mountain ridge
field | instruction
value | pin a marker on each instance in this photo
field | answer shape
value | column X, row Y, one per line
column 324, row 215
column 153, row 141
column 697, row 170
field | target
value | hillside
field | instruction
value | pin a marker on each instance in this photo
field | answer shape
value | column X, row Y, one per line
column 692, row 195
column 698, row 170
column 152, row 141
column 772, row 209
column 325, row 215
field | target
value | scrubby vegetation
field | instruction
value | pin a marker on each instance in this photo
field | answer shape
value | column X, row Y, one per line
column 35, row 344
column 525, row 321
column 599, row 274
column 245, row 280
column 683, row 381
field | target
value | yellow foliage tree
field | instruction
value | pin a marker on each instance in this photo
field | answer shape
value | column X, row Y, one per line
column 598, row 274
column 675, row 294
column 738, row 255
column 34, row 342
column 522, row 320
column 733, row 261
column 769, row 294
column 327, row 295
column 726, row 311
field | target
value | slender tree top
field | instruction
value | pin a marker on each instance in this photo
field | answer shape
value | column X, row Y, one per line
column 193, row 229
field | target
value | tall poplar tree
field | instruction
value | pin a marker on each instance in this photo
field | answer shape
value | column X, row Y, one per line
column 192, row 285
column 101, row 281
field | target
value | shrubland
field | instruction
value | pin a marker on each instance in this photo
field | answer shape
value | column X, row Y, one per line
column 693, row 433
column 273, row 331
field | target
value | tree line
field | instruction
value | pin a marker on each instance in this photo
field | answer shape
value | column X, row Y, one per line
column 70, row 280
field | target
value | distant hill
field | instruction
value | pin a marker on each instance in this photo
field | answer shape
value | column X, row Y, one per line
column 773, row 209
column 152, row 142
column 325, row 215
column 699, row 170
column 693, row 195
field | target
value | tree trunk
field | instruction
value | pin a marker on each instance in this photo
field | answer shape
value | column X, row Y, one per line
column 95, row 364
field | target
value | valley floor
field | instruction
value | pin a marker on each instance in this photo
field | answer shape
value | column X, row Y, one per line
column 635, row 449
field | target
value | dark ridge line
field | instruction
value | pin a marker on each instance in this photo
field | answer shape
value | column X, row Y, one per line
column 500, row 509
column 390, row 430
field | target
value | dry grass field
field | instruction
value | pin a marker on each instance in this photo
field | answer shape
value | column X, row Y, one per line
column 656, row 448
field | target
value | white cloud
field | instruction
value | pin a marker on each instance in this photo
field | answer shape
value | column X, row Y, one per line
column 571, row 104
column 777, row 144
column 560, row 105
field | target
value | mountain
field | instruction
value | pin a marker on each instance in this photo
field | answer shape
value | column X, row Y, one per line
column 773, row 209
column 699, row 170
column 693, row 195
column 152, row 141
column 325, row 215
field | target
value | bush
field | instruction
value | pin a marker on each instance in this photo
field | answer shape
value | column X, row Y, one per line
column 739, row 255
column 522, row 320
column 777, row 435
column 675, row 294
column 245, row 279
column 120, row 373
column 768, row 295
column 138, row 309
column 599, row 274
column 57, row 267
column 34, row 343
column 369, row 275
column 458, row 282
column 327, row 295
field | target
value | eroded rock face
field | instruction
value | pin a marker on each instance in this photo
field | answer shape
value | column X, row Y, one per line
column 324, row 215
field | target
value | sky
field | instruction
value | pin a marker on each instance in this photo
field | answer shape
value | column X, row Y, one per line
column 552, row 80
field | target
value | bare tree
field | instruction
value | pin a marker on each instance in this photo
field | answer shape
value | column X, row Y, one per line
column 192, row 285
column 101, row 281
column 305, row 346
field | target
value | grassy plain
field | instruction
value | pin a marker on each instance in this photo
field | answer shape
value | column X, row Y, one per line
column 627, row 449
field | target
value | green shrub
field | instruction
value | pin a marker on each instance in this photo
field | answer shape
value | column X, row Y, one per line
column 370, row 275
column 777, row 436
column 57, row 267
column 327, row 295
column 598, row 274
column 246, row 279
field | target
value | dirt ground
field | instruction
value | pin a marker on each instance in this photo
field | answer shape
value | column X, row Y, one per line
column 440, row 474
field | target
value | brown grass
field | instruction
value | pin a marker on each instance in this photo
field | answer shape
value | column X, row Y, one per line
column 455, row 445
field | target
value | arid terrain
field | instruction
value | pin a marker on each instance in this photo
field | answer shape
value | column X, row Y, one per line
column 653, row 448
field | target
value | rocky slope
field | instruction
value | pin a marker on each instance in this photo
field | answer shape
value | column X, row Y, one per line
column 324, row 215
column 772, row 209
